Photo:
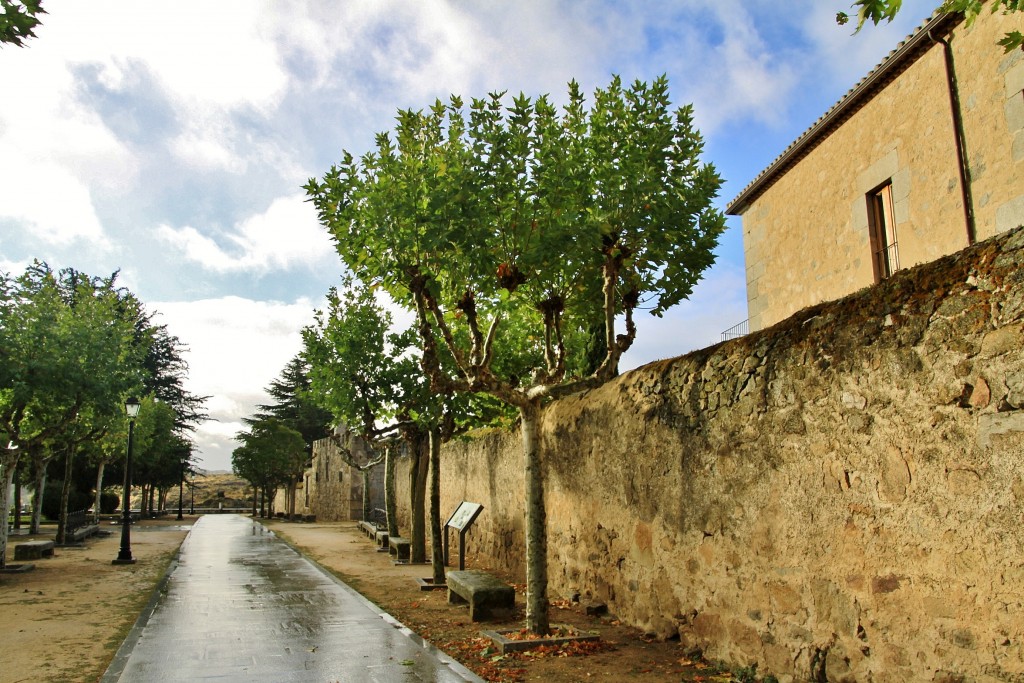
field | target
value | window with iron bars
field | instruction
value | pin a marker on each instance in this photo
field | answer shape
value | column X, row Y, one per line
column 885, row 255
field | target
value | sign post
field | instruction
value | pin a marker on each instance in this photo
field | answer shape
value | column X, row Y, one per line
column 461, row 520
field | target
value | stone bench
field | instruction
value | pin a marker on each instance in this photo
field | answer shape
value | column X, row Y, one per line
column 400, row 548
column 368, row 528
column 33, row 550
column 486, row 594
column 381, row 538
column 82, row 533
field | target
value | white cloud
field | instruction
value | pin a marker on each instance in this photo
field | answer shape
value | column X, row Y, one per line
column 213, row 53
column 286, row 235
column 50, row 202
column 236, row 347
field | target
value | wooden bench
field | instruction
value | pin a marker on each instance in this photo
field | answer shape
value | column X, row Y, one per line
column 33, row 550
column 486, row 594
column 400, row 548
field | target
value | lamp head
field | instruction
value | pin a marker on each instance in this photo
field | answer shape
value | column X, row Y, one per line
column 131, row 406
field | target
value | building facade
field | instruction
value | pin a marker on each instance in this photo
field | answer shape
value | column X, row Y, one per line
column 331, row 489
column 922, row 158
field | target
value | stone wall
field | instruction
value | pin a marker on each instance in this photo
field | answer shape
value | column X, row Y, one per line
column 336, row 488
column 838, row 497
column 331, row 489
column 806, row 238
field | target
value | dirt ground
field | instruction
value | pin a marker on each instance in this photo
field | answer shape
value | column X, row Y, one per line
column 63, row 621
column 623, row 654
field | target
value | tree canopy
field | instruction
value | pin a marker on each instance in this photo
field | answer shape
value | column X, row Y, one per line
column 514, row 230
column 877, row 11
column 18, row 20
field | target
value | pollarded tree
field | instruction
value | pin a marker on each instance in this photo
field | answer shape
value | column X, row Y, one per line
column 370, row 381
column 523, row 227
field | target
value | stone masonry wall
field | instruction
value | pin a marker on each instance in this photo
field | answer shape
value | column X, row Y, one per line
column 837, row 498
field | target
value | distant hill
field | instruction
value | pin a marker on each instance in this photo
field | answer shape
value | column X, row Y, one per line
column 212, row 488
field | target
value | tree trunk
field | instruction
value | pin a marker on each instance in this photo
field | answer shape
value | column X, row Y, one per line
column 39, row 464
column 17, row 494
column 536, row 526
column 255, row 499
column 97, row 502
column 367, row 500
column 436, row 541
column 65, row 494
column 420, row 448
column 389, row 491
column 9, row 465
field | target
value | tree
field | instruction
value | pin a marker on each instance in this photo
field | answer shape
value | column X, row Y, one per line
column 515, row 231
column 271, row 454
column 293, row 406
column 877, row 11
column 18, row 20
column 369, row 379
column 67, row 356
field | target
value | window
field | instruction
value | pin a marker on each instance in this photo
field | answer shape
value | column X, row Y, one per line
column 882, row 224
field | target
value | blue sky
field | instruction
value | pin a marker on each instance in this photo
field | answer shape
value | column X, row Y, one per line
column 170, row 140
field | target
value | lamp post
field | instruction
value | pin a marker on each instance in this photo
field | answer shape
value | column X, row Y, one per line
column 131, row 407
column 181, row 486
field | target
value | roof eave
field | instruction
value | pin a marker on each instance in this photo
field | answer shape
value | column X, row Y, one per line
column 894, row 64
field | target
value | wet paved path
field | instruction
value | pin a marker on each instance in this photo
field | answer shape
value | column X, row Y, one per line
column 243, row 606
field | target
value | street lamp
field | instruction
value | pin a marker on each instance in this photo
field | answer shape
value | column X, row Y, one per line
column 181, row 485
column 131, row 407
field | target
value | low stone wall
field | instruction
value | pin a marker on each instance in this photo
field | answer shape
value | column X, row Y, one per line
column 836, row 498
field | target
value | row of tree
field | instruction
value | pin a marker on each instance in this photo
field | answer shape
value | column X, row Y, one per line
column 73, row 347
column 523, row 238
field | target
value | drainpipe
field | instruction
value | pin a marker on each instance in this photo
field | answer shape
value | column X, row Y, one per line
column 960, row 137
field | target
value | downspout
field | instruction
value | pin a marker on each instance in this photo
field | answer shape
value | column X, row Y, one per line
column 959, row 137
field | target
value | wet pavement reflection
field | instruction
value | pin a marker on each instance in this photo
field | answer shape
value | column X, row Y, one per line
column 243, row 606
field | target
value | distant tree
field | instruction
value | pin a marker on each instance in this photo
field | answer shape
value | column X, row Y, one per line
column 271, row 454
column 166, row 372
column 515, row 231
column 293, row 406
column 18, row 20
column 877, row 11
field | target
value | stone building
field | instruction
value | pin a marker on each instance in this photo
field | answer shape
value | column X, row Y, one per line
column 332, row 490
column 922, row 158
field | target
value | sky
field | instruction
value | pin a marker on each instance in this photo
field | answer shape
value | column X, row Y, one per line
column 170, row 140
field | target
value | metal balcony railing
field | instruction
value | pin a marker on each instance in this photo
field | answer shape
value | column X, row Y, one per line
column 736, row 331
